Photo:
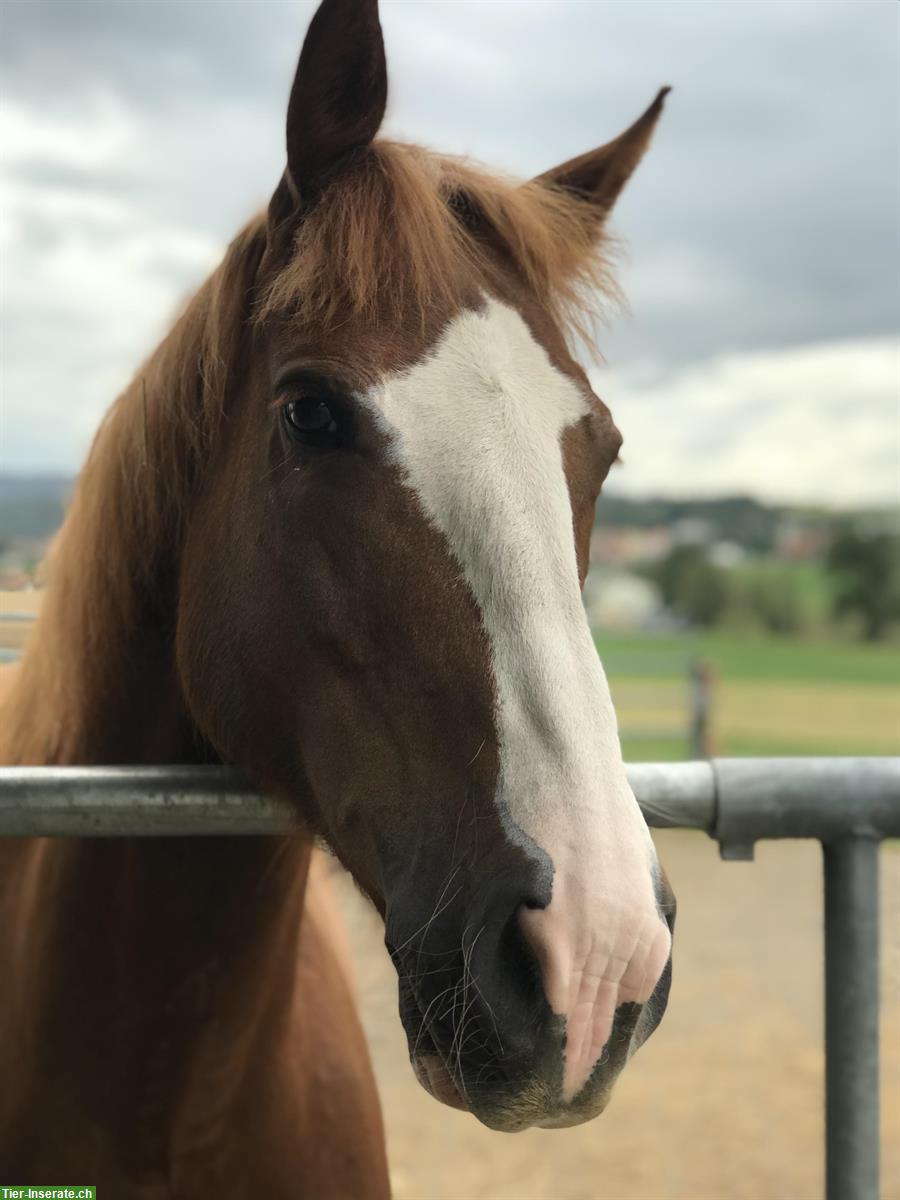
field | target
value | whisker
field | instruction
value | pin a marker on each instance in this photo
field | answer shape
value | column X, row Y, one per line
column 434, row 914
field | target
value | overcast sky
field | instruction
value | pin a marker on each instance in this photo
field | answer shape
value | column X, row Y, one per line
column 762, row 352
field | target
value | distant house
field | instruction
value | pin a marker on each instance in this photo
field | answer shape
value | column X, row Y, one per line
column 726, row 554
column 692, row 531
column 620, row 600
column 624, row 545
column 799, row 541
column 13, row 580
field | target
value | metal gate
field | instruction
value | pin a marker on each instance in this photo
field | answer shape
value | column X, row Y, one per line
column 847, row 804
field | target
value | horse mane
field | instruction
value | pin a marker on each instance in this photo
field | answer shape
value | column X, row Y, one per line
column 399, row 232
column 403, row 230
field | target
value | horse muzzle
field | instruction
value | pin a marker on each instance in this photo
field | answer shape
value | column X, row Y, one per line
column 484, row 1038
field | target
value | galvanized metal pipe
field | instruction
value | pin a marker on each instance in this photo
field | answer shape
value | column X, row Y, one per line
column 190, row 801
column 851, row 1018
column 135, row 802
column 824, row 798
column 736, row 800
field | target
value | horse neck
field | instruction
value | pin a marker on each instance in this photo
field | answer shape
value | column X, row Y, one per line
column 171, row 936
column 177, row 957
column 183, row 949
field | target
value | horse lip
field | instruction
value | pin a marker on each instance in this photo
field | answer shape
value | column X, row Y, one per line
column 434, row 1077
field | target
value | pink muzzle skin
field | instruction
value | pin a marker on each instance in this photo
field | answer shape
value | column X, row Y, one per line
column 590, row 968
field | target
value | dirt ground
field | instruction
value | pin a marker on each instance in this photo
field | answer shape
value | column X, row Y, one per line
column 723, row 1103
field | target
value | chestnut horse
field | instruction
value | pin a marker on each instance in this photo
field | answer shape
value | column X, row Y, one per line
column 334, row 533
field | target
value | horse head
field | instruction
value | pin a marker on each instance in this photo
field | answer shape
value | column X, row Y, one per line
column 379, row 611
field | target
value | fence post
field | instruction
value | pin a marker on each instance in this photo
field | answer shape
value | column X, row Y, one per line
column 702, row 680
column 851, row 1018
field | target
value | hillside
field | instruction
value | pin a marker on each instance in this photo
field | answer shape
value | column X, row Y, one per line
column 32, row 506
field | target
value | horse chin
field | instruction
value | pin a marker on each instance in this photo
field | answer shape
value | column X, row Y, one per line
column 571, row 1117
column 437, row 1081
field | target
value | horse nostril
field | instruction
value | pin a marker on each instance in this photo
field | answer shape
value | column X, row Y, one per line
column 501, row 979
column 517, row 964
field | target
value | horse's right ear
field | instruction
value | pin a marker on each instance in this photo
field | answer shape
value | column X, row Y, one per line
column 339, row 95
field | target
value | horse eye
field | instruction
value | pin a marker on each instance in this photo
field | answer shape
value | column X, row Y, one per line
column 308, row 419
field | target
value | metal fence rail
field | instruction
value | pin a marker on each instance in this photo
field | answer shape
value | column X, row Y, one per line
column 848, row 804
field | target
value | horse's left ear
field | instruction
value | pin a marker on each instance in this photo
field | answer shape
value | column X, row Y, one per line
column 601, row 174
column 340, row 92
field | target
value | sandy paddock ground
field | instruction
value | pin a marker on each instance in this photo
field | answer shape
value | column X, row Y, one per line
column 723, row 1103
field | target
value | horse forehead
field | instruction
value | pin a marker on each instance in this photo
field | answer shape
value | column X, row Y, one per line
column 486, row 377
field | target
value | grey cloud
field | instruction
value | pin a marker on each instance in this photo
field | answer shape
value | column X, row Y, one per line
column 763, row 217
column 145, row 48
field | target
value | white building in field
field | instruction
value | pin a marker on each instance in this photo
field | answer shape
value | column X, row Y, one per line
column 620, row 600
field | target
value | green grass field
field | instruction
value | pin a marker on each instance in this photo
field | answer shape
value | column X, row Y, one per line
column 772, row 696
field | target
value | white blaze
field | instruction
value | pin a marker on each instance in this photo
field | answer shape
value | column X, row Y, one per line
column 476, row 430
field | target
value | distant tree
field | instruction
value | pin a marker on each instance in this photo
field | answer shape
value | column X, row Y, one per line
column 866, row 572
column 775, row 600
column 692, row 586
